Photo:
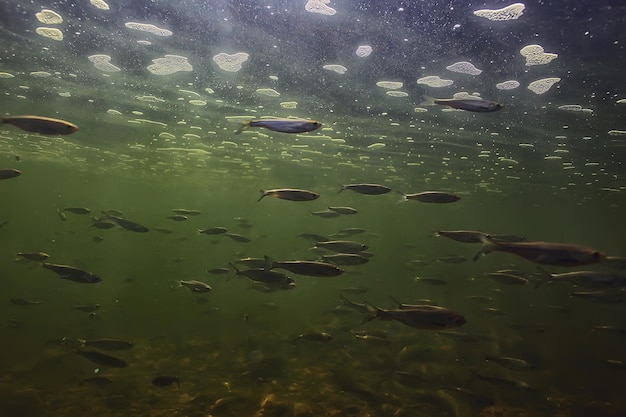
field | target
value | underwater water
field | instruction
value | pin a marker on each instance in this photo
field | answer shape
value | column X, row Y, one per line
column 158, row 90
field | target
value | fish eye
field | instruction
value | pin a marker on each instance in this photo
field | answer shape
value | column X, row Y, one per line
column 596, row 255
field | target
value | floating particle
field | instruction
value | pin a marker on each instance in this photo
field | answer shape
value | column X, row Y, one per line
column 268, row 92
column 319, row 6
column 197, row 102
column 52, row 33
column 40, row 74
column 397, row 94
column 289, row 104
column 140, row 42
column 391, row 85
column 114, row 112
column 146, row 27
column 339, row 69
column 100, row 4
column 102, row 63
column 209, row 90
column 363, row 51
column 230, row 63
column 512, row 12
column 49, row 17
column 169, row 64
column 535, row 55
column 617, row 132
column 150, row 99
column 507, row 85
column 543, row 85
column 434, row 81
column 6, row 75
column 376, row 146
column 464, row 67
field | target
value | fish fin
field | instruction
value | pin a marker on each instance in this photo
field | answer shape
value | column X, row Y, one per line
column 372, row 313
column 488, row 246
column 244, row 126
column 403, row 199
column 545, row 274
column 341, row 188
column 395, row 301
column 428, row 101
column 263, row 194
column 232, row 265
column 269, row 263
column 434, row 233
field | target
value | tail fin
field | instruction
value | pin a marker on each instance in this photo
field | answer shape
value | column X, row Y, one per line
column 263, row 194
column 237, row 271
column 372, row 313
column 434, row 233
column 544, row 274
column 403, row 199
column 428, row 101
column 488, row 246
column 396, row 301
column 269, row 263
column 341, row 188
column 244, row 126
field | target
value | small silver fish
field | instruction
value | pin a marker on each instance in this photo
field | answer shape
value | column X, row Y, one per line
column 437, row 197
column 467, row 104
column 290, row 194
column 281, row 125
column 369, row 189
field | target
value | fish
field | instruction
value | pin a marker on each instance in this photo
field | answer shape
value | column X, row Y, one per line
column 165, row 381
column 88, row 308
column 546, row 253
column 180, row 211
column 374, row 340
column 107, row 344
column 213, row 231
column 342, row 246
column 128, row 225
column 452, row 259
column 291, row 194
column 514, row 364
column 72, row 274
column 502, row 381
column 349, row 231
column 105, row 224
column 23, row 302
column 218, row 271
column 431, row 281
column 271, row 278
column 178, row 217
column 501, row 237
column 62, row 215
column 102, row 359
column 467, row 104
column 482, row 299
column 615, row 262
column 361, row 308
column 343, row 210
column 587, row 279
column 195, row 286
column 281, row 125
column 354, row 290
column 6, row 174
column 603, row 296
column 237, row 238
column 437, row 197
column 463, row 236
column 507, row 279
column 98, row 381
column 426, row 317
column 33, row 256
column 77, row 210
column 42, row 125
column 314, row 337
column 325, row 214
column 345, row 259
column 314, row 237
column 308, row 268
column 252, row 262
column 369, row 189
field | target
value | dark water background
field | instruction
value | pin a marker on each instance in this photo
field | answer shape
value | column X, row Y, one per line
column 233, row 347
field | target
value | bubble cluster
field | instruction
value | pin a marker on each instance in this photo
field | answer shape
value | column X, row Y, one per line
column 508, row 85
column 434, row 81
column 230, row 63
column 52, row 33
column 535, row 55
column 512, row 12
column 169, row 64
column 146, row 27
column 289, row 104
column 397, row 94
column 464, row 67
column 390, row 85
column 102, row 63
column 543, row 85
column 49, row 17
column 320, row 6
column 363, row 51
column 339, row 69
column 100, row 4
column 268, row 92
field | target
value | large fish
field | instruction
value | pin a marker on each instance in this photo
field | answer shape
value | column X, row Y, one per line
column 281, row 125
column 370, row 189
column 127, row 224
column 73, row 274
column 418, row 316
column 547, row 253
column 42, row 125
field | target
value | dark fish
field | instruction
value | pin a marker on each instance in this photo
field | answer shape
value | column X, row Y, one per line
column 178, row 217
column 237, row 238
column 431, row 281
column 343, row 210
column 108, row 344
column 127, row 224
column 547, row 253
column 102, row 359
column 181, row 211
column 266, row 277
column 218, row 271
column 468, row 104
column 325, row 214
column 464, row 236
column 345, row 259
column 438, row 197
column 73, row 274
column 105, row 224
column 420, row 317
column 507, row 279
column 42, row 125
column 452, row 259
column 290, row 194
column 588, row 279
column 361, row 308
column 370, row 189
column 374, row 340
column 282, row 125
column 313, row 237
column 314, row 337
column 213, row 231
column 23, row 302
column 514, row 364
column 342, row 246
column 166, row 381
column 88, row 308
column 77, row 210
column 196, row 286
column 33, row 256
column 6, row 174
column 309, row 268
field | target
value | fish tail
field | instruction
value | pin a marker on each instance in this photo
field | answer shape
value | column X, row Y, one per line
column 434, row 233
column 269, row 263
column 372, row 313
column 395, row 301
column 263, row 194
column 488, row 246
column 545, row 274
column 237, row 271
column 341, row 188
column 428, row 101
column 244, row 126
